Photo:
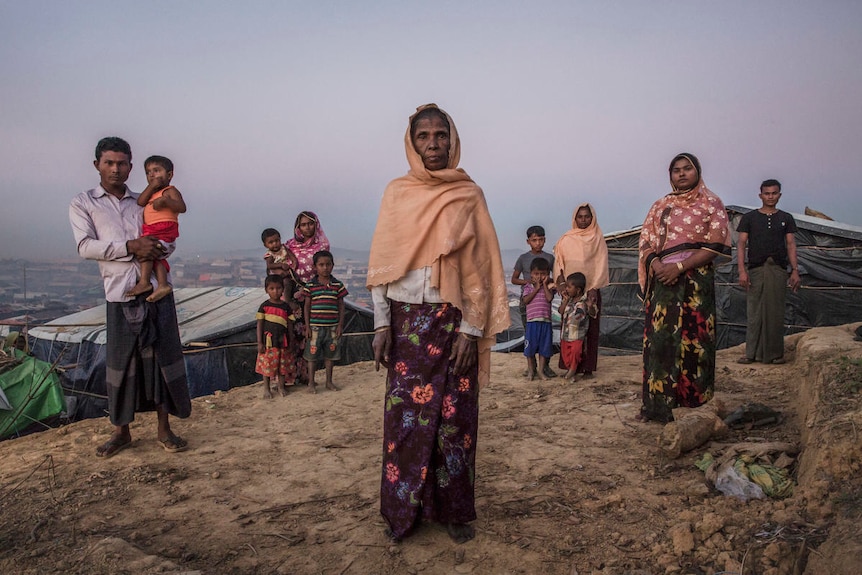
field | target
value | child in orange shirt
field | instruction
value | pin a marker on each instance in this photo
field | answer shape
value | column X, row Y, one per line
column 162, row 205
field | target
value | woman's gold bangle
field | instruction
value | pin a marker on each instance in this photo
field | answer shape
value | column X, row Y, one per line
column 679, row 267
column 468, row 337
column 382, row 328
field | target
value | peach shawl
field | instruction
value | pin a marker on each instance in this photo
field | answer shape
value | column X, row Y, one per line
column 440, row 219
column 583, row 251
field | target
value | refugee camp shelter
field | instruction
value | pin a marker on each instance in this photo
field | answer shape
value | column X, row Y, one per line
column 29, row 392
column 217, row 331
column 830, row 266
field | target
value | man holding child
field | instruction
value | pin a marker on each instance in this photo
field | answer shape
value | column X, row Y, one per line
column 144, row 360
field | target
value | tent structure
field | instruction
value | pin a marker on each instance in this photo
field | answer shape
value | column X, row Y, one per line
column 830, row 265
column 217, row 330
column 29, row 391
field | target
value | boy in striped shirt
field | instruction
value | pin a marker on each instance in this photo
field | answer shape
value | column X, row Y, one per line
column 324, row 318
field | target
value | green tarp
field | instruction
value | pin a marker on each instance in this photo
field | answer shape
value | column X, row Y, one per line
column 33, row 391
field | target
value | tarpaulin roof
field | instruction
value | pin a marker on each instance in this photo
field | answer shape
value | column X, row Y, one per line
column 218, row 332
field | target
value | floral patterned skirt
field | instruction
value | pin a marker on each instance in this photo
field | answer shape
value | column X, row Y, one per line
column 275, row 362
column 430, row 422
column 679, row 344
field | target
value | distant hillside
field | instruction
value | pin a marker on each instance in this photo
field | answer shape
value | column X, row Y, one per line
column 509, row 256
column 252, row 253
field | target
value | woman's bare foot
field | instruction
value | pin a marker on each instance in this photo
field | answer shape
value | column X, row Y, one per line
column 460, row 532
column 330, row 385
column 267, row 392
column 281, row 389
column 312, row 388
column 140, row 287
column 160, row 292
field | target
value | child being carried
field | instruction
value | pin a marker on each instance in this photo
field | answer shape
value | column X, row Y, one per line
column 162, row 205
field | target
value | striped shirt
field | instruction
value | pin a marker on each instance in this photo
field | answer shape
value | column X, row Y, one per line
column 324, row 300
column 276, row 322
column 540, row 308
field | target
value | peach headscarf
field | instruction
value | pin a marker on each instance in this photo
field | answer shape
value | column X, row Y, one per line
column 583, row 250
column 440, row 219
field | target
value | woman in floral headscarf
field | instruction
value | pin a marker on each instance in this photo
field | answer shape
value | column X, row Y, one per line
column 308, row 239
column 683, row 233
column 583, row 249
column 439, row 293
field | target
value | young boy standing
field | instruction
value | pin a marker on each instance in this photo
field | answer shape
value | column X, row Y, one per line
column 536, row 241
column 324, row 318
column 575, row 311
column 162, row 205
column 538, row 337
column 274, row 338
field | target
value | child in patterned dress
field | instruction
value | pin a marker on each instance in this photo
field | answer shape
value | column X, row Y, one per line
column 274, row 338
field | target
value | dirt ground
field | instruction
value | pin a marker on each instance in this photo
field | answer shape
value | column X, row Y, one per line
column 567, row 482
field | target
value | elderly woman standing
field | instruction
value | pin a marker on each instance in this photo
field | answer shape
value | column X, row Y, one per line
column 583, row 249
column 439, row 295
column 683, row 233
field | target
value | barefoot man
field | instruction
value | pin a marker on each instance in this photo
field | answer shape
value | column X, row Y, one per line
column 144, row 360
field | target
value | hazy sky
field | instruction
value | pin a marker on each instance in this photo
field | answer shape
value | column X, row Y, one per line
column 269, row 108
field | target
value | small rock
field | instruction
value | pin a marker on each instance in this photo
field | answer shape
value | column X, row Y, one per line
column 772, row 552
column 464, row 568
column 624, row 541
column 215, row 474
column 711, row 523
column 682, row 537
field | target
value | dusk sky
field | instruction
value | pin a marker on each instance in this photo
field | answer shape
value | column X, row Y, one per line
column 269, row 108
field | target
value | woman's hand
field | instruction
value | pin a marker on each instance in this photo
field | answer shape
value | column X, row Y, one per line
column 382, row 345
column 465, row 353
column 668, row 274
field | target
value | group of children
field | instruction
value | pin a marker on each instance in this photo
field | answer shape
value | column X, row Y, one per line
column 536, row 296
column 315, row 306
column 300, row 318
